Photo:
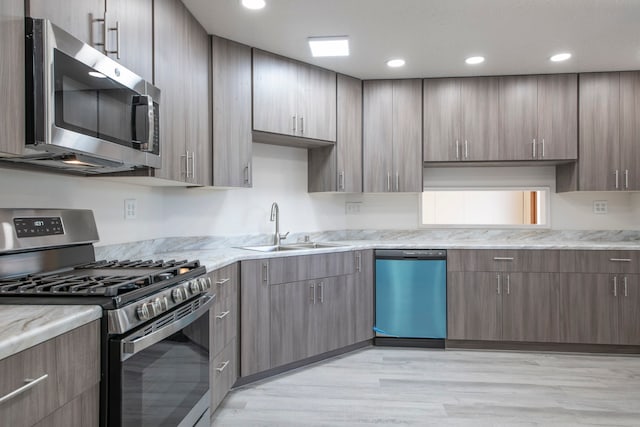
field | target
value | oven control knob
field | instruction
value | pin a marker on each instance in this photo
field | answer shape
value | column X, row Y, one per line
column 195, row 287
column 179, row 294
column 161, row 304
column 145, row 311
column 205, row 283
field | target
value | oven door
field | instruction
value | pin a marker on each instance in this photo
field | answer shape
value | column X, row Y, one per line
column 159, row 374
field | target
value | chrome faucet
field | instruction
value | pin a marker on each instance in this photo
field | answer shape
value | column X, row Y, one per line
column 275, row 216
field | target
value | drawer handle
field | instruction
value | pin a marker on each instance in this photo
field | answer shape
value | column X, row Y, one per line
column 620, row 259
column 223, row 281
column 223, row 314
column 30, row 383
column 222, row 367
column 503, row 258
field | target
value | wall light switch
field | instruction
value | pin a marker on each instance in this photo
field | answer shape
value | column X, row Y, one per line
column 600, row 207
column 130, row 209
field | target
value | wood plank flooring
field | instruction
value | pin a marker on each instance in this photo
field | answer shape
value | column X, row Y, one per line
column 384, row 386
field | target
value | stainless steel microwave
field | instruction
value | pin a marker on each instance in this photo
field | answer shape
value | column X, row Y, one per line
column 85, row 112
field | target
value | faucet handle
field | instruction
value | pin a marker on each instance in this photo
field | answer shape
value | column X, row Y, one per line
column 283, row 236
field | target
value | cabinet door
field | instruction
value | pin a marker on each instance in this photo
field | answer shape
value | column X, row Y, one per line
column 442, row 120
column 232, row 144
column 480, row 111
column 407, row 135
column 599, row 131
column 254, row 317
column 316, row 103
column 588, row 309
column 134, row 20
column 518, row 118
column 349, row 138
column 77, row 17
column 364, row 296
column 333, row 323
column 12, row 121
column 377, row 149
column 274, row 93
column 292, row 323
column 197, row 114
column 557, row 117
column 629, row 294
column 530, row 307
column 169, row 58
column 630, row 131
column 473, row 306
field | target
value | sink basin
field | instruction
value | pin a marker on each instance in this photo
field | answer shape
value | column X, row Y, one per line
column 291, row 247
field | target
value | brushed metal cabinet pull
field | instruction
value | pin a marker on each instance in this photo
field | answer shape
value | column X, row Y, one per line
column 223, row 281
column 503, row 258
column 312, row 297
column 498, row 285
column 457, row 150
column 222, row 366
column 265, row 272
column 616, row 173
column 29, row 383
column 626, row 290
column 615, row 286
column 223, row 314
column 397, row 181
column 508, row 284
column 294, row 123
column 358, row 262
column 542, row 153
column 321, row 286
column 341, row 180
column 302, row 125
column 466, row 149
column 620, row 259
column 388, row 181
column 626, row 179
column 533, row 148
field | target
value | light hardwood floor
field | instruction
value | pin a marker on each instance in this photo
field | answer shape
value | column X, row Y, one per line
column 399, row 387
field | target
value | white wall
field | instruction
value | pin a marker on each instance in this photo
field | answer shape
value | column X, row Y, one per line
column 280, row 174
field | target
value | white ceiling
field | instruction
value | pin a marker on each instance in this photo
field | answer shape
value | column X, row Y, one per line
column 435, row 36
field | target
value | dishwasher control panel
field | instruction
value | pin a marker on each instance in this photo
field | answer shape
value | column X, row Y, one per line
column 411, row 254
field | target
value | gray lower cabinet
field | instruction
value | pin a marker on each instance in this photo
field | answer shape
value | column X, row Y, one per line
column 12, row 108
column 68, row 372
column 255, row 317
column 364, row 300
column 392, row 136
column 231, row 110
column 223, row 374
column 339, row 167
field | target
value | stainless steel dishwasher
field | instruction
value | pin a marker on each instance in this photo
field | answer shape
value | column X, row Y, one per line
column 411, row 297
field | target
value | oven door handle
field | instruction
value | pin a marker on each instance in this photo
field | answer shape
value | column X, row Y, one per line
column 131, row 347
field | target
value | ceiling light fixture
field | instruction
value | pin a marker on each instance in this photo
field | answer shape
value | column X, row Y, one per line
column 395, row 63
column 254, row 4
column 329, row 46
column 474, row 60
column 560, row 57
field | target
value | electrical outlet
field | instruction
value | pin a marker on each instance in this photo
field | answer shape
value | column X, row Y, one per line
column 130, row 209
column 351, row 208
column 600, row 207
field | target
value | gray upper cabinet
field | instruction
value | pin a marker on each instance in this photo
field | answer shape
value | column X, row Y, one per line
column 231, row 99
column 80, row 18
column 461, row 119
column 392, row 136
column 292, row 99
column 184, row 107
column 339, row 167
column 129, row 25
column 609, row 129
column 12, row 121
column 539, row 117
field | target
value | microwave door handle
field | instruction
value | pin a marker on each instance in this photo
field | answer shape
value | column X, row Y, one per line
column 130, row 347
column 147, row 101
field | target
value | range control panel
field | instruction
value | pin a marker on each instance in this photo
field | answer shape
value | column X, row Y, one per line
column 36, row 227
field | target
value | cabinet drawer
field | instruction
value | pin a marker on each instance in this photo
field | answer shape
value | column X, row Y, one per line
column 607, row 261
column 225, row 282
column 224, row 372
column 63, row 367
column 36, row 363
column 307, row 267
column 224, row 317
column 522, row 260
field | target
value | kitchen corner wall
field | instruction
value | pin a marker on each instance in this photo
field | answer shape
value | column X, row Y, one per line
column 280, row 174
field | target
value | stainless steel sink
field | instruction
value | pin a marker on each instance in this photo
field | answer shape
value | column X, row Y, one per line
column 291, row 247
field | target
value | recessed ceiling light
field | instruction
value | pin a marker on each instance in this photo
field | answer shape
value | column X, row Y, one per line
column 473, row 60
column 329, row 46
column 253, row 4
column 560, row 57
column 395, row 63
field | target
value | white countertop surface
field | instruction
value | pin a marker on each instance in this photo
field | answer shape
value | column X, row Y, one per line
column 23, row 326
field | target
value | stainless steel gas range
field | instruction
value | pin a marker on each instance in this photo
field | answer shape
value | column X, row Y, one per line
column 155, row 324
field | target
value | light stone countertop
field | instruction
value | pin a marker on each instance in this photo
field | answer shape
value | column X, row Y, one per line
column 23, row 326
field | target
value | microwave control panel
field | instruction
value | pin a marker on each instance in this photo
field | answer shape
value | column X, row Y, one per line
column 37, row 227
